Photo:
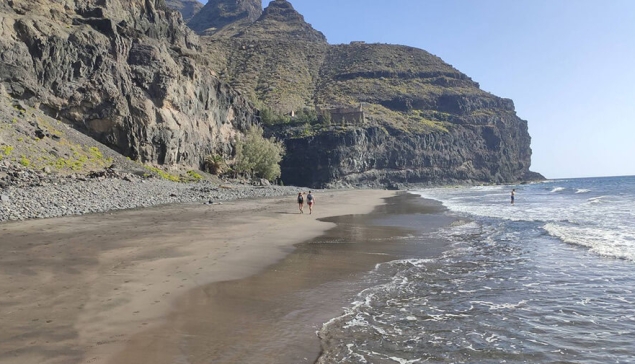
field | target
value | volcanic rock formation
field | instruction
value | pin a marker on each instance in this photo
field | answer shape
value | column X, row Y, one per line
column 388, row 114
column 187, row 8
column 128, row 73
column 218, row 13
column 132, row 75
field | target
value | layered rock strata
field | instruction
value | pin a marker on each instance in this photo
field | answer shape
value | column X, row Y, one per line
column 128, row 73
column 216, row 14
column 390, row 115
column 187, row 8
column 133, row 76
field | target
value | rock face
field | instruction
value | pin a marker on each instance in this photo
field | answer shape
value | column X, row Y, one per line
column 125, row 72
column 187, row 8
column 216, row 14
column 281, row 21
column 423, row 122
column 132, row 75
column 395, row 114
column 275, row 59
column 379, row 156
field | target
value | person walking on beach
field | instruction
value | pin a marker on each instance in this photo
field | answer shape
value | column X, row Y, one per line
column 301, row 202
column 513, row 195
column 310, row 200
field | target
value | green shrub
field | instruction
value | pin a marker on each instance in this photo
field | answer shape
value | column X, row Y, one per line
column 306, row 116
column 257, row 156
column 95, row 153
column 24, row 161
column 5, row 151
column 270, row 117
column 193, row 175
column 215, row 164
column 163, row 174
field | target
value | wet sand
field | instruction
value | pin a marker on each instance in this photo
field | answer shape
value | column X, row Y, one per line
column 134, row 286
column 272, row 317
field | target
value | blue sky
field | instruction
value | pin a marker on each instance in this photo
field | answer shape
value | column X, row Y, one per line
column 569, row 65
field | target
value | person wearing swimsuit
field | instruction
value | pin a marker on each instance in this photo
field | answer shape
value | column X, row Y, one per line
column 301, row 202
column 310, row 199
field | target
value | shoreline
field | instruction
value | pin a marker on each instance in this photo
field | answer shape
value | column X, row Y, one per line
column 76, row 289
column 274, row 316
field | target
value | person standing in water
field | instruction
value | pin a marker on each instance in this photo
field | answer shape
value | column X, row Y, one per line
column 513, row 195
column 301, row 202
column 310, row 200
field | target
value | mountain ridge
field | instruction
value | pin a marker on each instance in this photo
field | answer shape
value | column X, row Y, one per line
column 216, row 14
column 407, row 97
column 133, row 76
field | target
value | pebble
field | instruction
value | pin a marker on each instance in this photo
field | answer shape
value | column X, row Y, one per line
column 31, row 198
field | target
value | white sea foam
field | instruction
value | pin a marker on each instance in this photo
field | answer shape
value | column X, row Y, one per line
column 595, row 200
column 507, row 266
column 499, row 306
column 607, row 242
column 599, row 215
column 404, row 361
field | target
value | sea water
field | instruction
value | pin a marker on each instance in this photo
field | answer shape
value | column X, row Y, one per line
column 549, row 279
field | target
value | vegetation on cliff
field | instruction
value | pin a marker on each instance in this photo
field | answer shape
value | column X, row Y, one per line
column 387, row 96
column 134, row 77
column 257, row 156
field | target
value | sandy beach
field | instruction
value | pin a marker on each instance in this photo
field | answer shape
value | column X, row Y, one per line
column 131, row 286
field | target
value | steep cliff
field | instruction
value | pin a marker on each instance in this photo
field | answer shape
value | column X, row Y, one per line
column 187, row 8
column 217, row 14
column 275, row 60
column 385, row 114
column 128, row 73
column 132, row 75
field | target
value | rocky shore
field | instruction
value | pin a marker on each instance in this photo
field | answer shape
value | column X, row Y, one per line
column 27, row 194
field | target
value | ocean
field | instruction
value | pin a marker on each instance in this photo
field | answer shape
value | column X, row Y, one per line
column 549, row 279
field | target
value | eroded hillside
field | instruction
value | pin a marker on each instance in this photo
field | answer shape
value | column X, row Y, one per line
column 128, row 73
column 133, row 76
column 369, row 114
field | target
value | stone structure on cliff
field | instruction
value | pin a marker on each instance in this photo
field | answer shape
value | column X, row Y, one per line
column 343, row 115
column 131, row 74
column 423, row 121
